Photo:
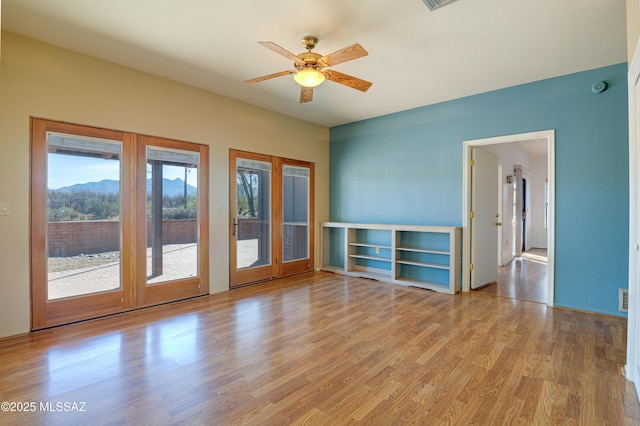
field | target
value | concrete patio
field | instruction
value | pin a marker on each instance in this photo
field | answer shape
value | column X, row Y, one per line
column 179, row 261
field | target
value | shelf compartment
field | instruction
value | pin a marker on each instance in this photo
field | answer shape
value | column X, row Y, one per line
column 379, row 265
column 424, row 241
column 370, row 237
column 370, row 252
column 369, row 249
column 420, row 273
column 333, row 248
column 424, row 258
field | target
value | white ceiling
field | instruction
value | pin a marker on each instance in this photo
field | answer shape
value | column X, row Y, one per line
column 533, row 147
column 416, row 57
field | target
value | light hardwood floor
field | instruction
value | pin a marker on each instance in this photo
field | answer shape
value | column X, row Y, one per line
column 524, row 278
column 326, row 349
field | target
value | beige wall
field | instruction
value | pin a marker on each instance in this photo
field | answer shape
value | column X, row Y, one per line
column 43, row 81
column 633, row 27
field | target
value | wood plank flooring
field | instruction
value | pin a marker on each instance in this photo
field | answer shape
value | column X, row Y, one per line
column 524, row 278
column 325, row 349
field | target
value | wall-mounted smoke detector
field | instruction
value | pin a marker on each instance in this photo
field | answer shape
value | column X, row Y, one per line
column 436, row 4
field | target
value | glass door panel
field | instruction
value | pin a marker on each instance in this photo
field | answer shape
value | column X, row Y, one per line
column 295, row 213
column 253, row 218
column 83, row 208
column 172, row 220
column 172, row 214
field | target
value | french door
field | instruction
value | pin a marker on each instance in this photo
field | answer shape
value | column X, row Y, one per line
column 113, row 224
column 271, row 223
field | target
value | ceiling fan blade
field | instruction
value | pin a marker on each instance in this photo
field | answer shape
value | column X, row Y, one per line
column 268, row 77
column 306, row 94
column 280, row 50
column 349, row 53
column 347, row 80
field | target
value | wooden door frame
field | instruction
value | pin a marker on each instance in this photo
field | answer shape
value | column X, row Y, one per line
column 302, row 265
column 277, row 267
column 254, row 274
column 549, row 135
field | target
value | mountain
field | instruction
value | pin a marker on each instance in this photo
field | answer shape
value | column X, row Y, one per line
column 174, row 187
column 105, row 186
column 170, row 187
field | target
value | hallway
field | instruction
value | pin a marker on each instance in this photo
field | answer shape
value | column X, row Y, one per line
column 524, row 278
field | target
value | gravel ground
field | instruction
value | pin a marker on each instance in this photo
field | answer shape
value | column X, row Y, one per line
column 58, row 264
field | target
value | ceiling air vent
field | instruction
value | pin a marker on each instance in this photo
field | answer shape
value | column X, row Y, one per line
column 436, row 4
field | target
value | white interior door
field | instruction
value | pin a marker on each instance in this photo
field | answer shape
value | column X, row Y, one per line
column 633, row 343
column 485, row 220
column 500, row 207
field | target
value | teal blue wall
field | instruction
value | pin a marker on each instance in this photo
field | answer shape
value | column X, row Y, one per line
column 406, row 168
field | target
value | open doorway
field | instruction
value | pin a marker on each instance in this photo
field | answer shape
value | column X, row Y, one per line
column 527, row 254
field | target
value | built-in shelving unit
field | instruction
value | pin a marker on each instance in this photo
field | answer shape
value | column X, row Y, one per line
column 419, row 256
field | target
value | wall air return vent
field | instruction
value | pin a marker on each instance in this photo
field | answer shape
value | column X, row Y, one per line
column 436, row 4
column 623, row 300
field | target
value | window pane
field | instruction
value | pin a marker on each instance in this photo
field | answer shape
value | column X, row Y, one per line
column 295, row 213
column 172, row 214
column 253, row 209
column 83, row 203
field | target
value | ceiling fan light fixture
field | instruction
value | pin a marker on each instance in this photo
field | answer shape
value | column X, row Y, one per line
column 312, row 69
column 309, row 77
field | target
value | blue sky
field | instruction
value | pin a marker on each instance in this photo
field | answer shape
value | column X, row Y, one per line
column 67, row 170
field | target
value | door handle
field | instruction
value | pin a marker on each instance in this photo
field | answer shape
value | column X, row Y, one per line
column 234, row 225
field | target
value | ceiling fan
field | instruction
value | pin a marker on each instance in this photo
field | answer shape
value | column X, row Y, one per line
column 311, row 68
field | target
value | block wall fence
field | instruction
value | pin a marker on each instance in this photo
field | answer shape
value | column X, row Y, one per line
column 99, row 236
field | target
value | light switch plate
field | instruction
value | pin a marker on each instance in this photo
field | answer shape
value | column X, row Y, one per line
column 5, row 210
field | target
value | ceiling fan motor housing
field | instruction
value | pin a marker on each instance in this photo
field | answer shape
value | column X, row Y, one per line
column 310, row 60
column 309, row 42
